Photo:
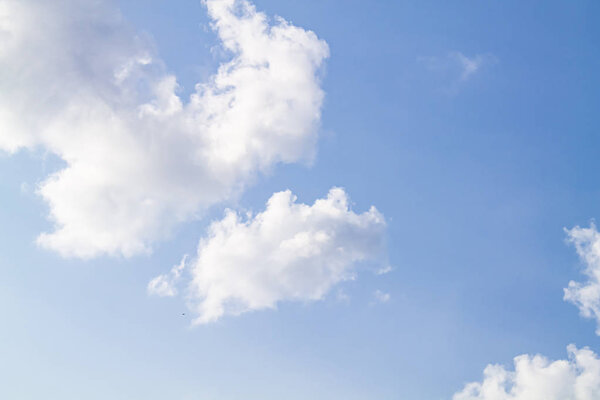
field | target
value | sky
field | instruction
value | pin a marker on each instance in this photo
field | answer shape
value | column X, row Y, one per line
column 227, row 200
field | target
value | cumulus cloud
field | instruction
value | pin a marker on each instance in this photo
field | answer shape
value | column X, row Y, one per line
column 586, row 296
column 288, row 252
column 537, row 378
column 79, row 82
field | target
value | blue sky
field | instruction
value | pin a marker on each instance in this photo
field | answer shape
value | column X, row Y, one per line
column 470, row 126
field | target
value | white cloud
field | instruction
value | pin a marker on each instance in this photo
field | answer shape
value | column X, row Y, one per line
column 469, row 65
column 288, row 252
column 165, row 285
column 342, row 296
column 537, row 378
column 386, row 269
column 25, row 188
column 586, row 295
column 382, row 297
column 457, row 65
column 77, row 81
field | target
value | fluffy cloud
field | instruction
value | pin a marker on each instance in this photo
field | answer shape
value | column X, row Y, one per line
column 586, row 295
column 290, row 251
column 78, row 82
column 537, row 378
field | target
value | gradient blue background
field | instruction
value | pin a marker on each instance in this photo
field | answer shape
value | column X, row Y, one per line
column 477, row 179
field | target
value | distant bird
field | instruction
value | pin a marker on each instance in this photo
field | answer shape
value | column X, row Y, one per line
column 182, row 313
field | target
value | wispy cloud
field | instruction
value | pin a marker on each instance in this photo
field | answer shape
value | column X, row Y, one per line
column 381, row 297
column 386, row 269
column 458, row 66
column 470, row 65
column 342, row 296
column 165, row 285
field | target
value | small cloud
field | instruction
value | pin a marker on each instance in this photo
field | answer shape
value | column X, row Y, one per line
column 342, row 297
column 586, row 295
column 384, row 270
column 457, row 66
column 25, row 189
column 165, row 285
column 470, row 65
column 382, row 297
